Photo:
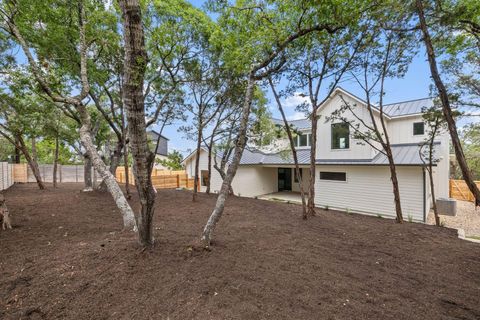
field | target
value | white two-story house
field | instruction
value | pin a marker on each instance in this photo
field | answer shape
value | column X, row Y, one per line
column 350, row 175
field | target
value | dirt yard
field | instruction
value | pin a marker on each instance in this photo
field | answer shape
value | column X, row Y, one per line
column 67, row 259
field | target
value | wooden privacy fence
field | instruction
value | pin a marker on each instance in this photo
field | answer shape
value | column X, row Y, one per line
column 459, row 190
column 65, row 173
column 161, row 179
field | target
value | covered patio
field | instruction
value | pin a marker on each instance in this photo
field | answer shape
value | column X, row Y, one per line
column 283, row 196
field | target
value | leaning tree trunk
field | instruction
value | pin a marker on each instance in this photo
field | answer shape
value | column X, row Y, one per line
column 105, row 174
column 17, row 152
column 55, row 162
column 396, row 189
column 133, row 100
column 197, row 163
column 313, row 150
column 232, row 168
column 32, row 162
column 446, row 107
column 114, row 163
column 292, row 148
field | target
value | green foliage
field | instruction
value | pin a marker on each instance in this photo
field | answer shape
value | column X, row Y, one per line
column 7, row 150
column 471, row 143
column 173, row 161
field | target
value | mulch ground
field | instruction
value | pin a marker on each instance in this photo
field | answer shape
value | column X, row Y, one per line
column 66, row 258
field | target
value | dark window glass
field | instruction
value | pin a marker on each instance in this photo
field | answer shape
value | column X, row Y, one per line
column 334, row 176
column 302, row 140
column 295, row 174
column 340, row 136
column 418, row 128
column 204, row 177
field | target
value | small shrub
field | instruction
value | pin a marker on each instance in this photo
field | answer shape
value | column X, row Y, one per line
column 379, row 215
column 349, row 211
column 410, row 218
column 442, row 223
column 326, row 207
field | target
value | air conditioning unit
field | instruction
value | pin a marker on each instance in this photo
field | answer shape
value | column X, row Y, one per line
column 447, row 206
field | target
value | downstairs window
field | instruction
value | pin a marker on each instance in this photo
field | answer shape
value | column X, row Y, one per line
column 333, row 176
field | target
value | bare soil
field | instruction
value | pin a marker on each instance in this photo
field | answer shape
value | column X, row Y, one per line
column 66, row 258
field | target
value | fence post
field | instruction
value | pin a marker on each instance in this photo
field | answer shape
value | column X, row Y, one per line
column 178, row 181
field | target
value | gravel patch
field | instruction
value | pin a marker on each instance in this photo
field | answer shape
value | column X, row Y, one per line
column 467, row 218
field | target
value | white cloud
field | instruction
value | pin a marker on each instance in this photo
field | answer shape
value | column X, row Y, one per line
column 296, row 100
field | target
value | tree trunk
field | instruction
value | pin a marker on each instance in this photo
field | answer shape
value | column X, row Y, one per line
column 446, row 107
column 17, row 152
column 292, row 148
column 105, row 174
column 34, row 150
column 55, row 162
column 432, row 185
column 87, row 173
column 232, row 168
column 197, row 163
column 114, row 162
column 32, row 162
column 209, row 174
column 313, row 150
column 127, row 177
column 396, row 189
column 133, row 101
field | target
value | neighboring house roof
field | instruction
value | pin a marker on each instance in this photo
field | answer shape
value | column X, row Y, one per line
column 154, row 134
column 403, row 155
column 300, row 124
column 162, row 147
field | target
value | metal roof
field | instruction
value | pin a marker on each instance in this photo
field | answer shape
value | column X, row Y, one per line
column 403, row 155
column 408, row 107
column 392, row 110
column 300, row 124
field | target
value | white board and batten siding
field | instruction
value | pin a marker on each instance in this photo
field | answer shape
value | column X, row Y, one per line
column 368, row 190
column 6, row 175
column 249, row 181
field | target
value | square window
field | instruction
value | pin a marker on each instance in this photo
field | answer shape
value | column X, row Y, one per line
column 302, row 140
column 340, row 136
column 418, row 128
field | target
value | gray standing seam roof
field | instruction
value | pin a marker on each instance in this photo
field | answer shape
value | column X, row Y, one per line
column 408, row 107
column 403, row 154
column 300, row 124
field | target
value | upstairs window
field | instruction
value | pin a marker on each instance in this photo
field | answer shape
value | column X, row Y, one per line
column 340, row 136
column 302, row 140
column 418, row 128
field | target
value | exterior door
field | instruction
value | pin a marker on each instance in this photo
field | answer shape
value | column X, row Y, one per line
column 284, row 179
